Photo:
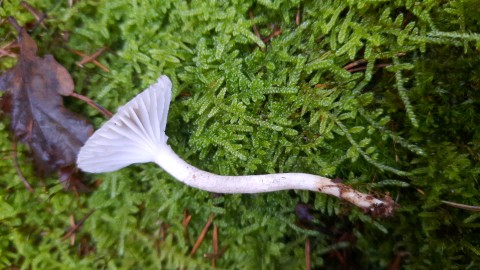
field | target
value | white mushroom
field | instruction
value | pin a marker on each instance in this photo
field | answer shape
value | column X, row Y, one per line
column 136, row 134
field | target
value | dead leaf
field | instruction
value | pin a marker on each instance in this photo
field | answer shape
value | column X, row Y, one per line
column 38, row 116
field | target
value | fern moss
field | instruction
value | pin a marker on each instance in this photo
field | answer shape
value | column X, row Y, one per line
column 381, row 94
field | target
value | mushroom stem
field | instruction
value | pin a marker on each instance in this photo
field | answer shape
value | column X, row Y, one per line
column 203, row 180
column 136, row 134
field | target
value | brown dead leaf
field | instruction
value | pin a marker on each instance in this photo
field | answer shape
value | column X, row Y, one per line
column 38, row 116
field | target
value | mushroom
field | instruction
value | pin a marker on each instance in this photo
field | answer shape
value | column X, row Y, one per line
column 136, row 134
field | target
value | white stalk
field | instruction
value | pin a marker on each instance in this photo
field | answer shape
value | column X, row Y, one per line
column 136, row 134
column 203, row 180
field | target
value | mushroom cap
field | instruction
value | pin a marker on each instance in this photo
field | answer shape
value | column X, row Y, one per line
column 135, row 134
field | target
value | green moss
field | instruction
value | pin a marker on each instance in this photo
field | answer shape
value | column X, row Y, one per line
column 405, row 123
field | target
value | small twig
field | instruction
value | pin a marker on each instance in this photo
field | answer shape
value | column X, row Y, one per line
column 10, row 45
column 71, row 219
column 358, row 69
column 353, row 64
column 6, row 49
column 15, row 24
column 308, row 262
column 382, row 65
column 185, row 222
column 353, row 70
column 277, row 31
column 395, row 151
column 39, row 16
column 473, row 208
column 91, row 57
column 298, row 17
column 74, row 228
column 186, row 219
column 164, row 228
column 202, row 235
column 93, row 104
column 7, row 53
column 17, row 168
column 214, row 255
column 95, row 62
column 215, row 245
column 255, row 29
column 160, row 236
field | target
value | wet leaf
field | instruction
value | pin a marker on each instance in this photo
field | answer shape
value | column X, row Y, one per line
column 35, row 87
